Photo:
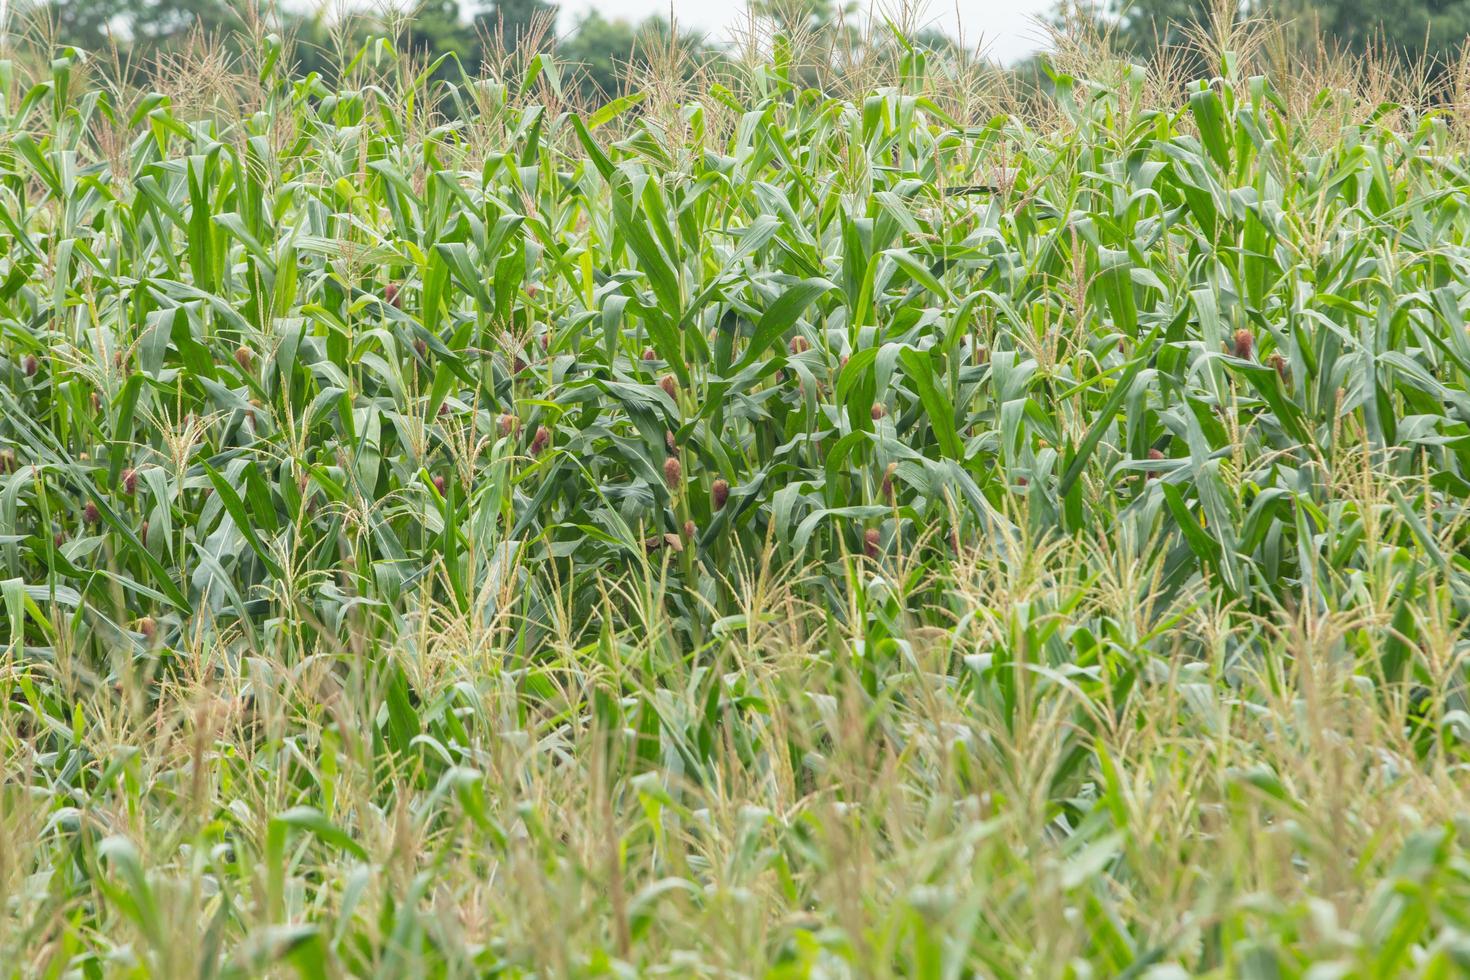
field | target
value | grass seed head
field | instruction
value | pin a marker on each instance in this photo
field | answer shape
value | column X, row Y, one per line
column 719, row 492
column 878, row 411
column 244, row 357
column 669, row 442
column 539, row 441
column 871, row 541
column 508, row 423
column 439, row 484
column 673, row 472
column 130, row 481
column 90, row 513
column 390, row 295
column 799, row 345
column 31, row 365
column 689, row 530
column 669, row 385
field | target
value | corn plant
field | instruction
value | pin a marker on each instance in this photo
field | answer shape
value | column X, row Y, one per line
column 766, row 532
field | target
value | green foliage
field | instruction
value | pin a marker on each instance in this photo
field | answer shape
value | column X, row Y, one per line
column 766, row 531
column 790, row 16
column 515, row 21
column 437, row 30
column 1412, row 30
column 597, row 45
column 1142, row 27
column 602, row 54
column 90, row 24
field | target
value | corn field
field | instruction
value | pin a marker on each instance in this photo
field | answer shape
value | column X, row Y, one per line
column 766, row 529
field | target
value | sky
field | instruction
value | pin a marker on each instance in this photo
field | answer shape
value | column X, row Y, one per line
column 1007, row 28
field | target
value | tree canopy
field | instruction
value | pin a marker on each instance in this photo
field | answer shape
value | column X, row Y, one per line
column 1431, row 29
column 604, row 47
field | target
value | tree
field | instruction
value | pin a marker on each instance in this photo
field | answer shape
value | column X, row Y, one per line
column 1432, row 29
column 516, row 21
column 600, row 48
column 1142, row 27
column 437, row 29
column 84, row 25
column 95, row 24
column 811, row 16
column 603, row 50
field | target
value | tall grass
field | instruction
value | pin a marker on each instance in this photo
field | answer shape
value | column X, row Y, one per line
column 778, row 525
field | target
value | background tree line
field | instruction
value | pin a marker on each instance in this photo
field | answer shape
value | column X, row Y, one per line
column 477, row 31
column 473, row 32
